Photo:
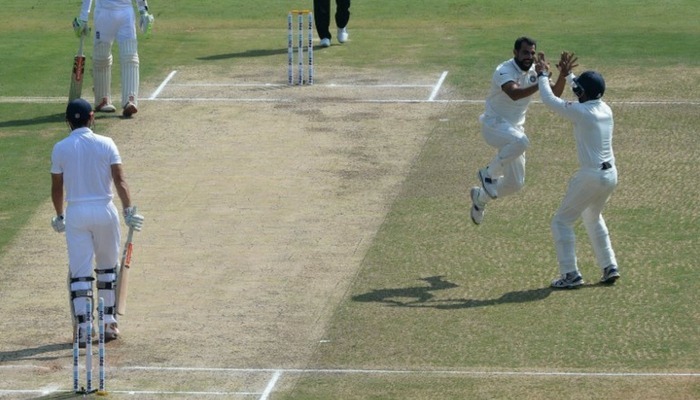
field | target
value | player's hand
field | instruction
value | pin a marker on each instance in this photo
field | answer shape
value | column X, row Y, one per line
column 541, row 64
column 80, row 27
column 567, row 63
column 132, row 219
column 145, row 22
column 58, row 223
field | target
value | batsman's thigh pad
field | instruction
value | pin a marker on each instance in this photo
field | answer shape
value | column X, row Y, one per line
column 102, row 70
column 129, row 60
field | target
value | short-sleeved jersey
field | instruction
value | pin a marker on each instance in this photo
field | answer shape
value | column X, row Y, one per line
column 593, row 127
column 498, row 103
column 105, row 4
column 85, row 159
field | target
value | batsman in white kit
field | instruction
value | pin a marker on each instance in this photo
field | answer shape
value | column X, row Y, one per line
column 115, row 20
column 593, row 184
column 86, row 165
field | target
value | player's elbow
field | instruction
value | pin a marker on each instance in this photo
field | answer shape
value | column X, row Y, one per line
column 516, row 95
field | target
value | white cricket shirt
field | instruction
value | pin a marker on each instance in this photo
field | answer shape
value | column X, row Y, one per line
column 593, row 126
column 498, row 103
column 85, row 159
column 104, row 4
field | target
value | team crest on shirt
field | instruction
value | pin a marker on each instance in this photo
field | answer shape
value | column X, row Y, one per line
column 533, row 79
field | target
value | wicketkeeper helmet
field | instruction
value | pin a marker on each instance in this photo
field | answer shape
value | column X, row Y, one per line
column 591, row 83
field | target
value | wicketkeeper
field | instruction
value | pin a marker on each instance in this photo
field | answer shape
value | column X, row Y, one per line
column 87, row 165
column 115, row 19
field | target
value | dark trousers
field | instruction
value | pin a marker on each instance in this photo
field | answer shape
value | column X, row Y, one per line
column 322, row 16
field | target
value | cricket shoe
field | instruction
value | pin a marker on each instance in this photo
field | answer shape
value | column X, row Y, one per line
column 325, row 42
column 129, row 110
column 610, row 275
column 342, row 35
column 111, row 331
column 569, row 280
column 477, row 211
column 105, row 106
column 488, row 183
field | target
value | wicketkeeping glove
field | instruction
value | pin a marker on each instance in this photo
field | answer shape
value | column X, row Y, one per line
column 80, row 27
column 58, row 223
column 132, row 219
column 146, row 22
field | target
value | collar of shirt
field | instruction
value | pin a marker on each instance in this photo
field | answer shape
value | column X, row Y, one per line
column 81, row 131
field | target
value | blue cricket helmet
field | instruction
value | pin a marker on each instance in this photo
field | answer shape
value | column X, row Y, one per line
column 78, row 112
column 591, row 83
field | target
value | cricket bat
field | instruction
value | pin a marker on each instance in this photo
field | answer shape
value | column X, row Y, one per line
column 123, row 276
column 76, row 78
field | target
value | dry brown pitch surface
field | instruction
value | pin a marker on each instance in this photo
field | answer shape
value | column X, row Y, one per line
column 260, row 203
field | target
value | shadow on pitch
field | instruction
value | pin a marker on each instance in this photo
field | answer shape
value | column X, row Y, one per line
column 46, row 119
column 250, row 54
column 244, row 54
column 35, row 353
column 422, row 296
column 398, row 296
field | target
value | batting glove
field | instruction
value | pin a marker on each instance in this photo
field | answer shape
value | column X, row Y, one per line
column 132, row 219
column 146, row 22
column 80, row 27
column 58, row 223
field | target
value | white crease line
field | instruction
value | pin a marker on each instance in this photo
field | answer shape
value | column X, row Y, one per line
column 380, row 85
column 230, row 85
column 271, row 385
column 131, row 392
column 414, row 372
column 24, row 366
column 277, row 373
column 437, row 87
column 48, row 100
column 162, row 85
column 330, row 85
column 32, row 100
column 226, row 99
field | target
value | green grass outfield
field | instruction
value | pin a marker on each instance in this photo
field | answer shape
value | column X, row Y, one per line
column 490, row 310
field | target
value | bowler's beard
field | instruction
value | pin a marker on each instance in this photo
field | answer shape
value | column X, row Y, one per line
column 521, row 64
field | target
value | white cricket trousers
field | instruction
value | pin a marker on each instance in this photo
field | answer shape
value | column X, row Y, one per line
column 92, row 235
column 111, row 25
column 511, row 142
column 119, row 25
column 586, row 196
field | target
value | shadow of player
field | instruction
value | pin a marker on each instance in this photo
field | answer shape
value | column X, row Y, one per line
column 420, row 294
column 423, row 296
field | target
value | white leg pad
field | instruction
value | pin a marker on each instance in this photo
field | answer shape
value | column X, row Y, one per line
column 106, row 284
column 129, row 62
column 102, row 71
column 80, row 294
